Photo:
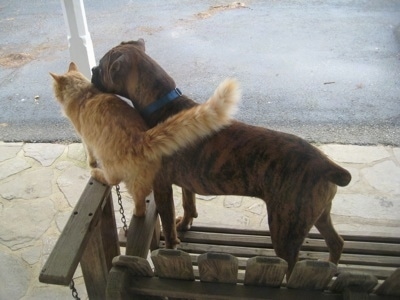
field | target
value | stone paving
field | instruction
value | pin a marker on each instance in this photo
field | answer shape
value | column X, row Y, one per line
column 41, row 183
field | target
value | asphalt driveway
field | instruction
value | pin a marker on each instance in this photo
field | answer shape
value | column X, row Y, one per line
column 325, row 70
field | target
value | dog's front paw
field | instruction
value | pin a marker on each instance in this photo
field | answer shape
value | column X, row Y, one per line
column 172, row 243
column 183, row 224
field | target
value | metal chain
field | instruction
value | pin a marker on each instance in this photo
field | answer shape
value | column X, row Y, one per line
column 121, row 209
column 74, row 291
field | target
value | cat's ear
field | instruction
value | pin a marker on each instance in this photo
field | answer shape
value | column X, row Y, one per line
column 72, row 67
column 56, row 77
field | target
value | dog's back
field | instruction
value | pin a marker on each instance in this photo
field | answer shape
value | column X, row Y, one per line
column 252, row 161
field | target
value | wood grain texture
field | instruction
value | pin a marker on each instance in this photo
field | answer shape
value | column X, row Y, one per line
column 137, row 266
column 218, row 267
column 172, row 264
column 118, row 282
column 109, row 232
column 265, row 271
column 141, row 229
column 311, row 275
column 67, row 252
column 364, row 281
column 94, row 266
column 377, row 255
column 218, row 291
column 391, row 286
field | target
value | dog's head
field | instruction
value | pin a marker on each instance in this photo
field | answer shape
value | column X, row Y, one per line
column 128, row 71
column 109, row 75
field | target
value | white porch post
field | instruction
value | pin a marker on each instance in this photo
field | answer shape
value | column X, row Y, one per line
column 79, row 41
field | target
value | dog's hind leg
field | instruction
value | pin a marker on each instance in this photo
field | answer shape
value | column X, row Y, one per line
column 287, row 235
column 291, row 219
column 189, row 211
column 333, row 240
column 163, row 197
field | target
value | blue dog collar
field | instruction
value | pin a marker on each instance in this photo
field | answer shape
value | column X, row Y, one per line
column 171, row 96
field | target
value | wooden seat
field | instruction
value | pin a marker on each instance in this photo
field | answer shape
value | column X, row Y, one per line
column 211, row 263
column 376, row 255
column 369, row 268
column 133, row 277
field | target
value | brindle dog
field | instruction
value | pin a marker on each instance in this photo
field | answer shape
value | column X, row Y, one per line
column 295, row 179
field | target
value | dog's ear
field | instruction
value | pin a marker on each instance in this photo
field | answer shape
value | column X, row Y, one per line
column 72, row 67
column 116, row 67
column 138, row 44
column 141, row 45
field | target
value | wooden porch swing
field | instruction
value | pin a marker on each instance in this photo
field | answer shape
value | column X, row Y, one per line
column 210, row 263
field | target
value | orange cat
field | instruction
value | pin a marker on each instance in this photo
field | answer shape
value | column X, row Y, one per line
column 119, row 145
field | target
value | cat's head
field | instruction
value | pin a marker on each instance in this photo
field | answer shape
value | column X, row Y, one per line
column 70, row 85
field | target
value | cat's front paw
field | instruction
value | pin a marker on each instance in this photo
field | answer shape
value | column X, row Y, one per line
column 99, row 175
column 92, row 163
column 140, row 213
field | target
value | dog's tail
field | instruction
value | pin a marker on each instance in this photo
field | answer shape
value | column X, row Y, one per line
column 190, row 125
column 338, row 175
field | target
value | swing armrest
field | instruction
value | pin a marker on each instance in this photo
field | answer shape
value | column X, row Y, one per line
column 67, row 252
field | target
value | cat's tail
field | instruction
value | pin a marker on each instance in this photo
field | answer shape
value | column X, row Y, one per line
column 191, row 125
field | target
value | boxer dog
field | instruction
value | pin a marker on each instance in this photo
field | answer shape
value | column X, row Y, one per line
column 295, row 179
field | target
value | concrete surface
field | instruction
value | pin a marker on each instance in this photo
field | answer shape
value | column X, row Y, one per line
column 327, row 71
column 41, row 183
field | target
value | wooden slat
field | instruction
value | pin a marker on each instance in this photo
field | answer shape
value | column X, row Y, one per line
column 64, row 258
column 236, row 251
column 109, row 232
column 259, row 241
column 141, row 229
column 350, row 236
column 355, row 293
column 358, row 259
column 137, row 266
column 377, row 271
column 311, row 275
column 391, row 286
column 265, row 271
column 371, row 260
column 118, row 283
column 226, row 239
column 94, row 266
column 217, row 291
column 102, row 247
column 218, row 267
column 363, row 280
column 172, row 264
